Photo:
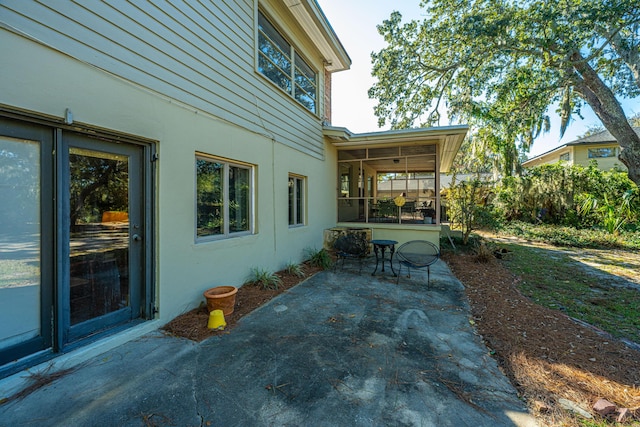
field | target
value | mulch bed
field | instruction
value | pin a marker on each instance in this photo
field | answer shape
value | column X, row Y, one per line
column 193, row 324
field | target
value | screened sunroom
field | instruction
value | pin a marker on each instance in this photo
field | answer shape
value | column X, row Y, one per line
column 392, row 178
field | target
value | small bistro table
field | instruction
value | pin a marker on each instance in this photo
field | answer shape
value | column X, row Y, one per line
column 381, row 246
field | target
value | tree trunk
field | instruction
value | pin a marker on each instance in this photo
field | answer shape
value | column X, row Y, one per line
column 608, row 109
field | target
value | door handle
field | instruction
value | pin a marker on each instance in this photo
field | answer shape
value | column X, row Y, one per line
column 136, row 238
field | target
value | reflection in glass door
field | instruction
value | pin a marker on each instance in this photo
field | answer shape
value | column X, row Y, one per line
column 74, row 257
column 99, row 235
column 104, row 234
column 19, row 241
column 25, row 300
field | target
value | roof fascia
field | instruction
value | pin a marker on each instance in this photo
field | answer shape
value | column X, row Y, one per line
column 317, row 26
column 547, row 153
column 448, row 138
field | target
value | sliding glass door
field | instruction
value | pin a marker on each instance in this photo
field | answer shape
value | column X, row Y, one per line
column 74, row 250
column 25, row 240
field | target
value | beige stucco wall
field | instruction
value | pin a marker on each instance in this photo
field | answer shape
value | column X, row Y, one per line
column 581, row 157
column 43, row 81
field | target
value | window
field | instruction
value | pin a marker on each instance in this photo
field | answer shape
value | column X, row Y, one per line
column 296, row 200
column 224, row 193
column 565, row 157
column 281, row 64
column 595, row 153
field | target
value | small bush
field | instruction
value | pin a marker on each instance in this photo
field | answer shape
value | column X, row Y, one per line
column 294, row 269
column 467, row 206
column 320, row 258
column 264, row 278
column 484, row 252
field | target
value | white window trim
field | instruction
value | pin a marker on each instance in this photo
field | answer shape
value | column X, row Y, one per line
column 226, row 234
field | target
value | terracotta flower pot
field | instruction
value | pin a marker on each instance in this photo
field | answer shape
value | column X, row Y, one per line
column 221, row 298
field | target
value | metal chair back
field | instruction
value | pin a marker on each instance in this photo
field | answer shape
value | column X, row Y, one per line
column 417, row 254
column 353, row 246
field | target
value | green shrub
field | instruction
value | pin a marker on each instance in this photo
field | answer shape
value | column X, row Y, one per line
column 484, row 252
column 294, row 269
column 578, row 196
column 264, row 278
column 319, row 258
column 467, row 206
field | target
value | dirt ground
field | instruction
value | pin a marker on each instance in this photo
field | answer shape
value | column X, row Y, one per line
column 193, row 324
column 546, row 355
column 550, row 359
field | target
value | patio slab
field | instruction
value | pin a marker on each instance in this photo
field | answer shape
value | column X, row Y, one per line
column 340, row 349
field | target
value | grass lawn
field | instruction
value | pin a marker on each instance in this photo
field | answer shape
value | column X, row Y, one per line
column 555, row 280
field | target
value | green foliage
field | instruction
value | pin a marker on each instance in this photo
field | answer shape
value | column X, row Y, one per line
column 264, row 278
column 467, row 206
column 97, row 185
column 499, row 65
column 294, row 269
column 319, row 258
column 572, row 237
column 570, row 195
column 472, row 242
column 211, row 198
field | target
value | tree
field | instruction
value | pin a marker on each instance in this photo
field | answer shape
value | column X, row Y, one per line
column 634, row 121
column 467, row 206
column 501, row 64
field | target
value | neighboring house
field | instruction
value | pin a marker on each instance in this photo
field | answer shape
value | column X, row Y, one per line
column 601, row 147
column 150, row 150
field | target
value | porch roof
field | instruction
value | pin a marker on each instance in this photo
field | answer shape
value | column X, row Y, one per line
column 447, row 138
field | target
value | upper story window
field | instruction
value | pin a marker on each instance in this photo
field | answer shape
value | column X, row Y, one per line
column 280, row 63
column 224, row 196
column 595, row 153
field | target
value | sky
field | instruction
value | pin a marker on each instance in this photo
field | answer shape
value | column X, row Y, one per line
column 355, row 21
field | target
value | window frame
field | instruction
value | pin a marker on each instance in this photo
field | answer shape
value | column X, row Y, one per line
column 597, row 152
column 227, row 165
column 299, row 204
column 299, row 67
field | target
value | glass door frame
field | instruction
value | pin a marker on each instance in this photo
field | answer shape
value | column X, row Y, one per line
column 20, row 130
column 54, row 264
column 138, row 259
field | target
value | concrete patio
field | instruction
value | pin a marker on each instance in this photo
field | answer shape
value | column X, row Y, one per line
column 340, row 349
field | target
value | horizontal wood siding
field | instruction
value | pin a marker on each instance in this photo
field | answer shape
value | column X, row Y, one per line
column 198, row 52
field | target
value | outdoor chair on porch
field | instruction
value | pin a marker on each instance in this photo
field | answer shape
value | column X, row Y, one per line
column 417, row 254
column 409, row 208
column 352, row 246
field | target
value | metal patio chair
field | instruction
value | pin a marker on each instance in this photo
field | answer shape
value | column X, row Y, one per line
column 353, row 246
column 417, row 254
